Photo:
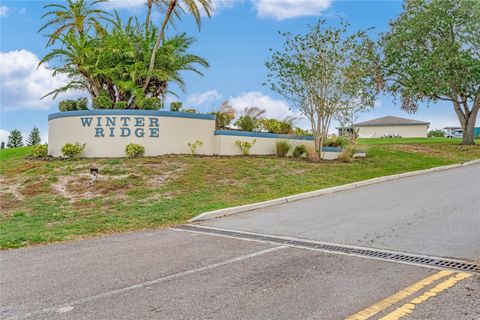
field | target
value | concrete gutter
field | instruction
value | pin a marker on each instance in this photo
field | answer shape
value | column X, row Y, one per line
column 253, row 206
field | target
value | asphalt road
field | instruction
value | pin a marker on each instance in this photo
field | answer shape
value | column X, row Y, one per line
column 178, row 274
column 432, row 214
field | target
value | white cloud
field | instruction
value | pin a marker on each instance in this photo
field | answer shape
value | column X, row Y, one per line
column 278, row 109
column 205, row 99
column 286, row 9
column 22, row 84
column 3, row 11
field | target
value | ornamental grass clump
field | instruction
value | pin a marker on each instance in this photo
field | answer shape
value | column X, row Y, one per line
column 134, row 150
column 282, row 148
column 300, row 151
column 72, row 150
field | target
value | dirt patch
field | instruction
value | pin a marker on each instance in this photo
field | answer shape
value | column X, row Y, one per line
column 26, row 166
column 12, row 188
column 8, row 201
column 33, row 188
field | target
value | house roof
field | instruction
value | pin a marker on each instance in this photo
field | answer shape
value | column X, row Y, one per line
column 390, row 121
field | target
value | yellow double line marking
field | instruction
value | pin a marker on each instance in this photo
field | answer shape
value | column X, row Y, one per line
column 405, row 293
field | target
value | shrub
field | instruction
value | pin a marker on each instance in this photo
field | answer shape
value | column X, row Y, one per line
column 436, row 134
column 72, row 150
column 134, row 150
column 102, row 102
column 39, row 151
column 336, row 141
column 277, row 126
column 299, row 151
column 73, row 105
column 195, row 146
column 189, row 110
column 282, row 148
column 247, row 123
column 175, row 106
column 301, row 132
column 82, row 104
column 245, row 146
column 120, row 105
column 152, row 103
column 222, row 120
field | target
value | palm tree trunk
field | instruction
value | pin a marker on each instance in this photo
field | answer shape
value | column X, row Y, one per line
column 149, row 12
column 168, row 14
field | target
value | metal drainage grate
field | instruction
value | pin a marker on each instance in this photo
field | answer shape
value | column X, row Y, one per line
column 428, row 261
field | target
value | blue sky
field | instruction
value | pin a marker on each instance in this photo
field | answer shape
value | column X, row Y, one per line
column 235, row 41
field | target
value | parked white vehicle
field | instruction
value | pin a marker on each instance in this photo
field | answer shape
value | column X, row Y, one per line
column 454, row 134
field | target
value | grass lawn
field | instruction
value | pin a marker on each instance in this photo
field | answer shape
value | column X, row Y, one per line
column 55, row 200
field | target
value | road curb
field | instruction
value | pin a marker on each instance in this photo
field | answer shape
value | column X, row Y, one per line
column 269, row 203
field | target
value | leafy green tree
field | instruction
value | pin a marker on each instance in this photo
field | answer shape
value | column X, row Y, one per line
column 2, row 145
column 33, row 138
column 15, row 139
column 432, row 53
column 323, row 72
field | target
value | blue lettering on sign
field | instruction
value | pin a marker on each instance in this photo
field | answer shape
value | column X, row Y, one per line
column 109, row 126
column 153, row 122
column 125, row 132
column 153, row 132
column 125, row 121
column 139, row 122
column 139, row 132
column 99, row 132
column 86, row 122
column 111, row 121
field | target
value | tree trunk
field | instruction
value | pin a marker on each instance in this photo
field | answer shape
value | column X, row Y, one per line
column 468, row 120
column 149, row 12
column 161, row 34
column 468, row 138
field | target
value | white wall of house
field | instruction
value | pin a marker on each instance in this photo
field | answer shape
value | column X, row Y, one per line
column 405, row 131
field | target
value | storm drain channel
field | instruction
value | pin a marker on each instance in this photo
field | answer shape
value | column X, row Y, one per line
column 344, row 249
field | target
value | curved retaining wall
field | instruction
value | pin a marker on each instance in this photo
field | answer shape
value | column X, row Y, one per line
column 107, row 132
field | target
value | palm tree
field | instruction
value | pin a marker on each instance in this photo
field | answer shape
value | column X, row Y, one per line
column 224, row 115
column 175, row 7
column 74, row 17
column 78, row 58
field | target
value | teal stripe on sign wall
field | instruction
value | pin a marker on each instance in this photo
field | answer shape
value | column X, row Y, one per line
column 260, row 135
column 113, row 112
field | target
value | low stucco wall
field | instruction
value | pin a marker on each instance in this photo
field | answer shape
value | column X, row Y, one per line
column 107, row 132
column 407, row 131
column 265, row 143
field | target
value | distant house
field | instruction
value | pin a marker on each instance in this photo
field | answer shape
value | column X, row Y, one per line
column 391, row 126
